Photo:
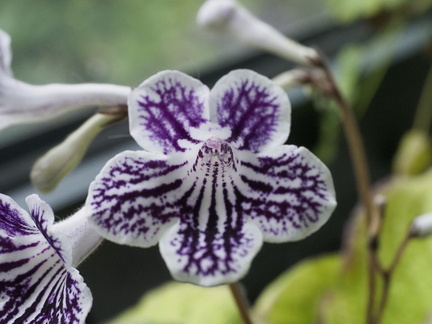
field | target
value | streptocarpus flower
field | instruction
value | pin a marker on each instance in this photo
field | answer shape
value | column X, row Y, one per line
column 38, row 281
column 25, row 103
column 214, row 179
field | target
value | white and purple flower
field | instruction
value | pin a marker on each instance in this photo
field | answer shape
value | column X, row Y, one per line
column 38, row 281
column 214, row 179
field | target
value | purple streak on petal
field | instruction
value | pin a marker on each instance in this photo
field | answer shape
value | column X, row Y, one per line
column 39, row 215
column 14, row 224
column 36, row 286
column 211, row 244
column 164, row 109
column 134, row 197
column 209, row 260
column 256, row 111
column 288, row 194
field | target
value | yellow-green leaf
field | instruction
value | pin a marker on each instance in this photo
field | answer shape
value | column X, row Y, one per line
column 178, row 303
column 295, row 297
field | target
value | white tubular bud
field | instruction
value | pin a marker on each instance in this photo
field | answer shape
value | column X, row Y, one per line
column 227, row 16
column 421, row 226
column 290, row 79
column 22, row 103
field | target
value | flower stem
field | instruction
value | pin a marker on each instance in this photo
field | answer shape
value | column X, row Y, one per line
column 387, row 275
column 241, row 302
column 361, row 171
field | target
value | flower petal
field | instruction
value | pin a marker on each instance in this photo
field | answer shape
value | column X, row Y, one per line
column 288, row 193
column 211, row 244
column 209, row 258
column 36, row 286
column 164, row 108
column 133, row 198
column 256, row 110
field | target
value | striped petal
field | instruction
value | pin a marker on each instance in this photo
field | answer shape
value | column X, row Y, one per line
column 211, row 244
column 208, row 258
column 37, row 283
column 133, row 199
column 255, row 110
column 288, row 193
column 164, row 109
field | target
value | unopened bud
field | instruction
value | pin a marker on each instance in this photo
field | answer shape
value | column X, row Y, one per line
column 414, row 153
column 227, row 16
column 292, row 78
column 63, row 158
column 421, row 226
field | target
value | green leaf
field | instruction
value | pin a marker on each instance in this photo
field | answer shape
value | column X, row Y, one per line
column 295, row 297
column 410, row 297
column 349, row 10
column 334, row 289
column 414, row 153
column 178, row 303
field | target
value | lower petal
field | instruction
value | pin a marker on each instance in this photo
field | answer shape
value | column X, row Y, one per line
column 287, row 193
column 209, row 259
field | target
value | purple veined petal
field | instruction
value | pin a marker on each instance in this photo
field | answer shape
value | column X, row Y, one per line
column 36, row 285
column 256, row 110
column 288, row 193
column 211, row 244
column 164, row 108
column 133, row 199
column 210, row 259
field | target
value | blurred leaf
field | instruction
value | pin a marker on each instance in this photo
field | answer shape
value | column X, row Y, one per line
column 349, row 10
column 359, row 71
column 333, row 290
column 178, row 303
column 295, row 297
column 414, row 153
column 407, row 197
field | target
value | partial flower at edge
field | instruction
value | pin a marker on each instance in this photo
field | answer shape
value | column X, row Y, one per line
column 38, row 281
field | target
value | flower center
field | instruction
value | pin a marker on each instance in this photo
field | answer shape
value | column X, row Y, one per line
column 217, row 150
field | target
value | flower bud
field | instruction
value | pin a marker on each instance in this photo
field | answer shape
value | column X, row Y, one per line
column 414, row 153
column 421, row 226
column 22, row 103
column 227, row 16
column 61, row 159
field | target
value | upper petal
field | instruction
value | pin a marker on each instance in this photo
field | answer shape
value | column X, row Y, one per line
column 256, row 110
column 288, row 193
column 164, row 108
column 36, row 285
column 133, row 199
